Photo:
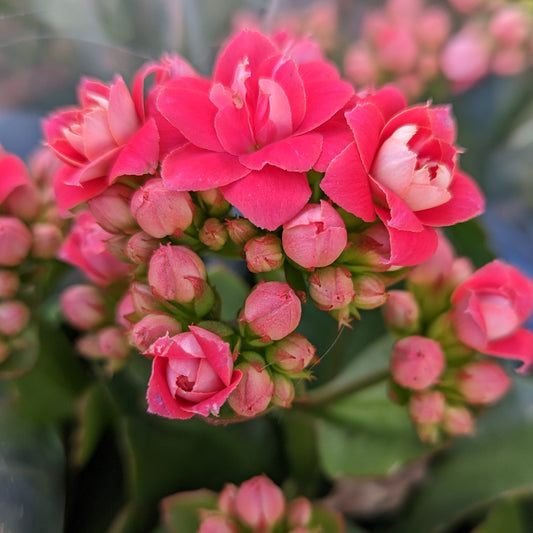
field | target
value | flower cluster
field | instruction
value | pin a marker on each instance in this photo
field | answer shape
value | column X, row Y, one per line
column 449, row 319
column 258, row 505
column 329, row 197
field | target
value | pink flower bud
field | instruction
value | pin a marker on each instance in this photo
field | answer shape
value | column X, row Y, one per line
column 272, row 310
column 111, row 209
column 360, row 65
column 142, row 299
column 14, row 317
column 482, row 382
column 299, row 512
column 47, row 239
column 24, row 202
column 226, row 498
column 213, row 234
column 83, row 306
column 161, row 212
column 176, row 273
column 401, row 312
column 88, row 346
column 15, row 241
column 458, row 421
column 152, row 327
column 140, row 247
column 240, row 230
column 510, row 26
column 291, row 354
column 370, row 248
column 264, row 254
column 427, row 407
column 213, row 202
column 113, row 343
column 416, row 362
column 253, row 393
column 331, row 288
column 283, row 391
column 315, row 237
column 218, row 524
column 369, row 291
column 260, row 504
column 9, row 284
column 433, row 27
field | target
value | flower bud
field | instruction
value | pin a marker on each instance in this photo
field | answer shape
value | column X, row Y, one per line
column 112, row 343
column 458, row 421
column 24, row 202
column 291, row 354
column 111, row 209
column 151, row 327
column 427, row 407
column 142, row 299
column 264, row 254
column 140, row 247
column 88, row 346
column 9, row 284
column 253, row 393
column 218, row 524
column 15, row 241
column 283, row 391
column 240, row 230
column 369, row 291
column 331, row 288
column 416, row 362
column 370, row 248
column 272, row 310
column 176, row 273
column 161, row 212
column 226, row 498
column 401, row 312
column 213, row 234
column 213, row 202
column 299, row 512
column 83, row 306
column 47, row 239
column 260, row 504
column 315, row 237
column 14, row 317
column 482, row 382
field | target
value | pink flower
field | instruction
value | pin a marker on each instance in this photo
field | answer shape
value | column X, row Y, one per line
column 315, row 237
column 100, row 140
column 83, row 306
column 253, row 131
column 85, row 248
column 15, row 241
column 400, row 167
column 192, row 374
column 13, row 174
column 489, row 309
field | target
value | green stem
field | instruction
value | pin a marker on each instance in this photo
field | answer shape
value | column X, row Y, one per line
column 322, row 396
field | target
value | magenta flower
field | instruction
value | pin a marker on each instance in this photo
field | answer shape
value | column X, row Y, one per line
column 13, row 174
column 192, row 374
column 253, row 131
column 401, row 168
column 489, row 309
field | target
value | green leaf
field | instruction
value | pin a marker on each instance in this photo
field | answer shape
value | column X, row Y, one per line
column 327, row 520
column 503, row 516
column 180, row 511
column 23, row 354
column 477, row 470
column 231, row 288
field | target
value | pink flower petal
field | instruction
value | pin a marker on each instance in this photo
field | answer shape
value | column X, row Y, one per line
column 346, row 182
column 410, row 248
column 189, row 168
column 389, row 100
column 13, row 174
column 467, row 202
column 186, row 105
column 122, row 117
column 295, row 154
column 97, row 138
column 269, row 197
column 140, row 155
column 517, row 346
column 213, row 404
column 68, row 195
column 399, row 215
column 234, row 130
column 217, row 352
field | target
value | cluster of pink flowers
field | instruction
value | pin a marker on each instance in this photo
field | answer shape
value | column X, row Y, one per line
column 449, row 319
column 415, row 45
column 258, row 505
column 30, row 235
column 326, row 194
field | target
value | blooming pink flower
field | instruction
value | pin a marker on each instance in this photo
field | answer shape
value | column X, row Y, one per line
column 400, row 167
column 315, row 237
column 100, row 140
column 85, row 248
column 253, row 130
column 489, row 309
column 192, row 374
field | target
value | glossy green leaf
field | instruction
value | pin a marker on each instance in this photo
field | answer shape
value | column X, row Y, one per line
column 503, row 516
column 231, row 288
column 23, row 355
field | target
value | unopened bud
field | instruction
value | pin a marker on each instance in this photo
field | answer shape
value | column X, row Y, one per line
column 458, row 421
column 14, row 317
column 264, row 254
column 331, row 288
column 218, row 524
column 299, row 512
column 47, row 239
column 482, row 382
column 111, row 209
column 427, row 407
column 291, row 354
column 83, row 306
column 140, row 247
column 9, row 284
column 152, row 327
column 226, row 498
column 15, row 241
column 142, row 299
column 253, row 393
column 24, row 202
column 416, row 362
column 213, row 234
column 112, row 343
column 283, row 391
column 369, row 291
column 240, row 230
column 401, row 312
column 213, row 202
